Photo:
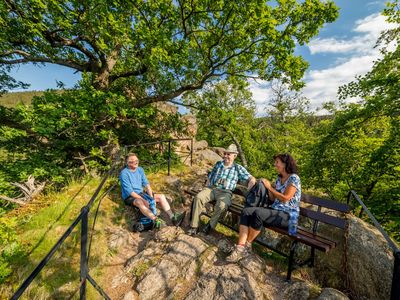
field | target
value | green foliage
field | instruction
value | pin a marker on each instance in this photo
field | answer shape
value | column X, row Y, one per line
column 62, row 133
column 156, row 50
column 10, row 248
column 360, row 148
column 222, row 111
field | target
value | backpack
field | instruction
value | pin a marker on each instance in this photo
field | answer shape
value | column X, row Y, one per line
column 257, row 196
column 144, row 223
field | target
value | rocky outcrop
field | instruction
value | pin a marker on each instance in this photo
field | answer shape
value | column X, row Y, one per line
column 206, row 157
column 369, row 261
column 360, row 255
column 173, row 265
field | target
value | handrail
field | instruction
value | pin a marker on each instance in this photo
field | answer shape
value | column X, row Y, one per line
column 82, row 217
column 125, row 147
column 395, row 290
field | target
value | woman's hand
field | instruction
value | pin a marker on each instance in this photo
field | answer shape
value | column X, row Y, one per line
column 266, row 183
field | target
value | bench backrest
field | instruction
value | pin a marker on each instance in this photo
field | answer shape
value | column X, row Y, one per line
column 319, row 216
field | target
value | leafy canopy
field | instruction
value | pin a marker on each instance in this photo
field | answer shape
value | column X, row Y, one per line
column 157, row 50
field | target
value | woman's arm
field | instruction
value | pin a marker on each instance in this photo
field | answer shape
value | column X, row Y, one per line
column 285, row 197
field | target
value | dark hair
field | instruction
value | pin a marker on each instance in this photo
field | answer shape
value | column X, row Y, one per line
column 290, row 163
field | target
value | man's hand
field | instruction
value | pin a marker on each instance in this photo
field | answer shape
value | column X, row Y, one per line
column 143, row 201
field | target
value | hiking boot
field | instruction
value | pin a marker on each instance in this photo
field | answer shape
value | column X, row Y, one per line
column 159, row 223
column 192, row 231
column 237, row 254
column 178, row 218
column 207, row 229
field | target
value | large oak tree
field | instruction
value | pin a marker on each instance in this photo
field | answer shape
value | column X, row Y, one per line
column 156, row 50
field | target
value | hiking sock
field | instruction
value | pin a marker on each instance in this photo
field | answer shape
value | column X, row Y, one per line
column 170, row 213
column 248, row 245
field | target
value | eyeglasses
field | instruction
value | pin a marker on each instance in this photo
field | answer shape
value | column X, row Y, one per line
column 133, row 162
column 227, row 153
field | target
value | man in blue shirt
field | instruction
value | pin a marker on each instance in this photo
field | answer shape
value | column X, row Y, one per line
column 221, row 183
column 136, row 191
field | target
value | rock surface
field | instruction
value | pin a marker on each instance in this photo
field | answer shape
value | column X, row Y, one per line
column 172, row 265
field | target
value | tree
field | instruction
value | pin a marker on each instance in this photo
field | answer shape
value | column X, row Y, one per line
column 287, row 126
column 156, row 50
column 225, row 112
column 360, row 148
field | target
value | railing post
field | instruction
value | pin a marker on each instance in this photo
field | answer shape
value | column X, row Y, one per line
column 84, row 266
column 191, row 152
column 169, row 157
column 395, row 292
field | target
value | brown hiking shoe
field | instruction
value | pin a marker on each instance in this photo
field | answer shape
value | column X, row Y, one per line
column 237, row 254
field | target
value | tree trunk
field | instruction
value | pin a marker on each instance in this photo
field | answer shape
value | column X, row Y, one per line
column 241, row 153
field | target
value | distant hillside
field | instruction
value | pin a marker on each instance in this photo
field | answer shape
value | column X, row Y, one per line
column 12, row 99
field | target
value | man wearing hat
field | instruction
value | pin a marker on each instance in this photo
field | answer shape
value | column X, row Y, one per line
column 220, row 184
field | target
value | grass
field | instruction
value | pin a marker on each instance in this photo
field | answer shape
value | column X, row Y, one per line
column 40, row 225
column 12, row 99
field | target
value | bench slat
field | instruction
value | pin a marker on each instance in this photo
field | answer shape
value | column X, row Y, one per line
column 342, row 207
column 319, row 216
column 308, row 239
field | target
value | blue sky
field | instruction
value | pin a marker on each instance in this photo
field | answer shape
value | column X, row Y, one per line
column 341, row 51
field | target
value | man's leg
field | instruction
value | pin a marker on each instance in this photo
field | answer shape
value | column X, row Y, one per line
column 143, row 206
column 176, row 218
column 160, row 198
column 198, row 204
column 224, row 200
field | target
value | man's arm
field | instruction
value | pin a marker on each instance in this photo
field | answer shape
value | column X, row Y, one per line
column 252, row 181
column 149, row 190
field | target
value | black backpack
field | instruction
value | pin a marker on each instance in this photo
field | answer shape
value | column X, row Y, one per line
column 257, row 196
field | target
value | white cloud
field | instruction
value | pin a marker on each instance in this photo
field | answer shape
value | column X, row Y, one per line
column 322, row 85
column 350, row 57
column 368, row 29
column 261, row 94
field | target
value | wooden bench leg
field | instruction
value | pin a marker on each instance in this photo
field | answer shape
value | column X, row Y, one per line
column 311, row 264
column 293, row 247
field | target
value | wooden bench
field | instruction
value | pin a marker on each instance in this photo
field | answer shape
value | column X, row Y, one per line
column 316, row 212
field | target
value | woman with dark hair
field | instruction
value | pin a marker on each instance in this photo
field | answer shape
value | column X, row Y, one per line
column 284, row 211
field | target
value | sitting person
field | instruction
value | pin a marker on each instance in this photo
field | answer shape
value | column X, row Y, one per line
column 284, row 211
column 220, row 184
column 133, row 183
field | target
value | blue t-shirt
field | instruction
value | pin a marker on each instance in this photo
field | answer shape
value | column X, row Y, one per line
column 132, row 181
column 292, row 207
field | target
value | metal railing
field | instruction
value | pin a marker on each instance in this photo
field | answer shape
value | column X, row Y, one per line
column 190, row 153
column 83, row 219
column 84, row 270
column 395, row 290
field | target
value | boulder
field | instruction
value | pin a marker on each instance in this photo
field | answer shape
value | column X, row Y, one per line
column 191, row 126
column 219, row 150
column 369, row 261
column 200, row 145
column 207, row 156
column 332, row 294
